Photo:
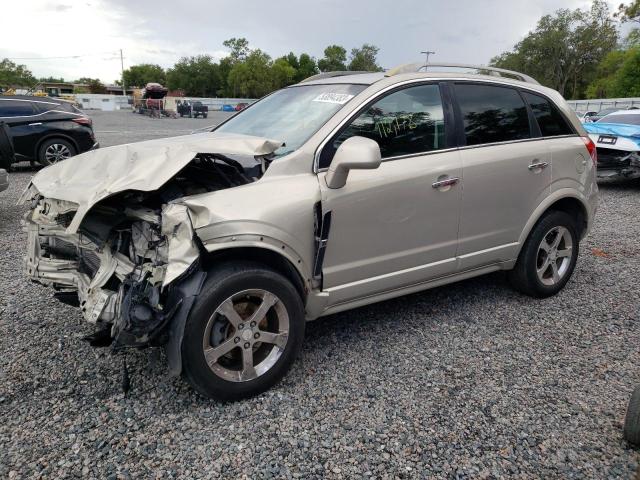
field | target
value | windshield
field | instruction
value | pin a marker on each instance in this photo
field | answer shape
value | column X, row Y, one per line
column 293, row 114
column 628, row 118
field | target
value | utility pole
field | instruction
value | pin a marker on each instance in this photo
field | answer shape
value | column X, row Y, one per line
column 427, row 53
column 124, row 88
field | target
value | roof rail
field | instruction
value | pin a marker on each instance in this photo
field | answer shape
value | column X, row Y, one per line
column 322, row 75
column 416, row 67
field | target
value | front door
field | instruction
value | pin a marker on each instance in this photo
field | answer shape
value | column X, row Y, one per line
column 397, row 225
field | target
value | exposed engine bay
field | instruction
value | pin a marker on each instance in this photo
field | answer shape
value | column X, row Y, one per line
column 130, row 249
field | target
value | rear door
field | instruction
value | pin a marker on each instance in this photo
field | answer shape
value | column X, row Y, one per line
column 506, row 171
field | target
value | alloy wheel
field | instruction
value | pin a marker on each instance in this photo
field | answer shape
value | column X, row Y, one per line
column 246, row 335
column 554, row 256
column 56, row 152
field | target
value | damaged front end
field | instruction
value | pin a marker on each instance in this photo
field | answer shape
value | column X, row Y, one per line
column 129, row 258
column 117, row 268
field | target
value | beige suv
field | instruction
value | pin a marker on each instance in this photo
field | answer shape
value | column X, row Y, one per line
column 340, row 191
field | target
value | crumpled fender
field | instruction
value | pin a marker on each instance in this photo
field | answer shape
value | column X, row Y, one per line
column 182, row 249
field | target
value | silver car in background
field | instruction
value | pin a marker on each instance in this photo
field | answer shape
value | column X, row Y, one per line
column 340, row 191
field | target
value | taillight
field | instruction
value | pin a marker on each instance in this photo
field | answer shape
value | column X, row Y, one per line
column 83, row 121
column 591, row 147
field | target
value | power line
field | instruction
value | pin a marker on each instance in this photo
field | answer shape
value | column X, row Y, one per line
column 115, row 56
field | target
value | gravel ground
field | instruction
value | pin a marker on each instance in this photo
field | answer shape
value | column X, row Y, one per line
column 465, row 381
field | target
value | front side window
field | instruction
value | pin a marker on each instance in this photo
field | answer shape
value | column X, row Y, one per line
column 405, row 122
column 12, row 108
column 292, row 115
column 549, row 119
column 492, row 114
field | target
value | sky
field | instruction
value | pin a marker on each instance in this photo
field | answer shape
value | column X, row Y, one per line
column 87, row 35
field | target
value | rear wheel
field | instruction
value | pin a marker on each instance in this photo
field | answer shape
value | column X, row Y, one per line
column 55, row 150
column 243, row 333
column 204, row 115
column 548, row 257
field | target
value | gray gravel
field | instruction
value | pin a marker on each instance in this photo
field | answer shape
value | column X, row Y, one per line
column 465, row 381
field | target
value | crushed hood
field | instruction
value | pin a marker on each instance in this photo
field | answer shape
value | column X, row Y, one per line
column 88, row 178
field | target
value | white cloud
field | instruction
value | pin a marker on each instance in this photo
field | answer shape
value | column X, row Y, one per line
column 162, row 31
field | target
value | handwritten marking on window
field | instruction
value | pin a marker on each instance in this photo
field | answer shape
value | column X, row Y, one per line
column 394, row 126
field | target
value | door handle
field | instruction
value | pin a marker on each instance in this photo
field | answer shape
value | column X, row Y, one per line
column 447, row 182
column 538, row 165
column 34, row 124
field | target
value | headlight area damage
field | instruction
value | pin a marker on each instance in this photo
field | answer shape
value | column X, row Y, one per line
column 128, row 257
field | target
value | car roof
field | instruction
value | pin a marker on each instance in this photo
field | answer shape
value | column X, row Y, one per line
column 384, row 79
column 31, row 98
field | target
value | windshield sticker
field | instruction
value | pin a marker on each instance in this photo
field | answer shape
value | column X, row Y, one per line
column 339, row 98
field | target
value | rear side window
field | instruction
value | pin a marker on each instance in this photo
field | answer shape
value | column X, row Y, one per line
column 13, row 108
column 492, row 114
column 405, row 122
column 550, row 120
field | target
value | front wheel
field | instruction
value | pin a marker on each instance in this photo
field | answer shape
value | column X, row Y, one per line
column 548, row 257
column 244, row 332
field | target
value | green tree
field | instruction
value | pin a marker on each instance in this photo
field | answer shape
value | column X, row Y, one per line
column 253, row 77
column 13, row 75
column 629, row 13
column 282, row 74
column 307, row 67
column 239, row 49
column 626, row 81
column 304, row 65
column 602, row 86
column 197, row 76
column 95, row 85
column 334, row 60
column 364, row 59
column 51, row 79
column 565, row 49
column 224, row 68
column 140, row 75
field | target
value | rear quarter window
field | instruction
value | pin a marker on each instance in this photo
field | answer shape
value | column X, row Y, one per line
column 549, row 118
column 492, row 114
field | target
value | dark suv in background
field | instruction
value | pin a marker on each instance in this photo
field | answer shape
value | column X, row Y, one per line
column 45, row 129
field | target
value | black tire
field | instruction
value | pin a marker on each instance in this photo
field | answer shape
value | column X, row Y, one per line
column 222, row 283
column 204, row 115
column 524, row 277
column 632, row 419
column 50, row 143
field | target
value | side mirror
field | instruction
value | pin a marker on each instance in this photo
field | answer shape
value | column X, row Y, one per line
column 358, row 153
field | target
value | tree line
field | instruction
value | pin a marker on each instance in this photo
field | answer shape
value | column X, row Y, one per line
column 578, row 52
column 248, row 72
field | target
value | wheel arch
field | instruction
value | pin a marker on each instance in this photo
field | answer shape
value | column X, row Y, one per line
column 570, row 202
column 265, row 255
